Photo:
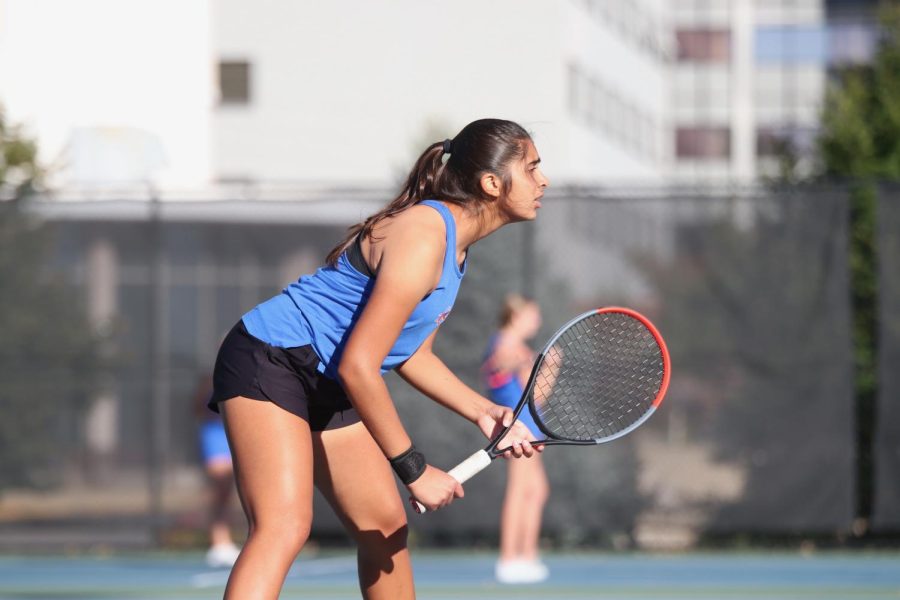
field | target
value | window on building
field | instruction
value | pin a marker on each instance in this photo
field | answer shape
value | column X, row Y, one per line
column 852, row 43
column 575, row 85
column 788, row 139
column 704, row 45
column 791, row 44
column 234, row 82
column 596, row 115
column 769, row 142
column 702, row 142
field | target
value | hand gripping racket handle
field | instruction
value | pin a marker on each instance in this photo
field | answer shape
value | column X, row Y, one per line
column 461, row 472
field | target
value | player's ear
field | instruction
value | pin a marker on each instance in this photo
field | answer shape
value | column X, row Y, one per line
column 491, row 185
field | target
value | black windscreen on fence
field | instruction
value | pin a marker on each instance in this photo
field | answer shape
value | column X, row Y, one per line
column 748, row 287
column 751, row 293
column 887, row 433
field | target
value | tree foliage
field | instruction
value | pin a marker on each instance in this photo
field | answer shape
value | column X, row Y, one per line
column 860, row 140
column 49, row 356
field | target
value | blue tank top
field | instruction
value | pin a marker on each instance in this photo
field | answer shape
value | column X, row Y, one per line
column 321, row 309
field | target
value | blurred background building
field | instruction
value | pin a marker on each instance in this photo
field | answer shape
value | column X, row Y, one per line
column 549, row 61
column 189, row 96
column 749, row 80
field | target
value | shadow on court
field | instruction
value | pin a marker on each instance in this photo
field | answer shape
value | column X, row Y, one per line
column 445, row 576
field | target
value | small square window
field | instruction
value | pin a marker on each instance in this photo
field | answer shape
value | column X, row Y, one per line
column 794, row 139
column 234, row 82
column 702, row 142
column 703, row 45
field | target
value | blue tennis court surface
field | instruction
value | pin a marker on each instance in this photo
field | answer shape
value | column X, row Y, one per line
column 445, row 576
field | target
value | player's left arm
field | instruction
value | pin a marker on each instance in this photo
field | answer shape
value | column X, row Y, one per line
column 428, row 374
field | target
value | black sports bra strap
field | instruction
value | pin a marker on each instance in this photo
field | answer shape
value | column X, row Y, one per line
column 355, row 256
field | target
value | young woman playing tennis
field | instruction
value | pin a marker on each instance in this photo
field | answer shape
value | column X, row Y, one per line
column 299, row 378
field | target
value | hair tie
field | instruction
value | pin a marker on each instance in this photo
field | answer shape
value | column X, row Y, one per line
column 448, row 146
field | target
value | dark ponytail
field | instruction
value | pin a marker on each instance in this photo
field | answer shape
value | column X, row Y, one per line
column 483, row 146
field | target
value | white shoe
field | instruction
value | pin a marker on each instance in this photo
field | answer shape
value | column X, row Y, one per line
column 521, row 571
column 539, row 570
column 222, row 556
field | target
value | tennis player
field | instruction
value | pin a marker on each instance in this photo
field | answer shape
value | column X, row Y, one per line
column 299, row 378
column 506, row 368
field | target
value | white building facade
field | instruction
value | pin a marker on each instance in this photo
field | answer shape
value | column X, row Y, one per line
column 188, row 94
column 113, row 92
column 351, row 92
column 191, row 94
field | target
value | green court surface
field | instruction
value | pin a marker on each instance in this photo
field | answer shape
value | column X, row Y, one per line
column 446, row 575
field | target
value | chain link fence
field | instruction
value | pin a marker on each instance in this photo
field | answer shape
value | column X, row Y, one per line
column 749, row 288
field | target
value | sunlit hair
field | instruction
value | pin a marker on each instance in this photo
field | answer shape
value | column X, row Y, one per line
column 512, row 304
column 483, row 146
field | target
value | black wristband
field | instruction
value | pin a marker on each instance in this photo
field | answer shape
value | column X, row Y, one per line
column 409, row 466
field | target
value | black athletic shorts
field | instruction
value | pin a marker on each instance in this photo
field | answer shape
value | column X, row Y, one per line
column 249, row 367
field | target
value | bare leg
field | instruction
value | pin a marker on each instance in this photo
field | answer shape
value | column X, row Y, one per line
column 273, row 470
column 520, row 522
column 357, row 480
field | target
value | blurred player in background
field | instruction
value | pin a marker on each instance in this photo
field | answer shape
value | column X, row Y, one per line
column 216, row 455
column 506, row 369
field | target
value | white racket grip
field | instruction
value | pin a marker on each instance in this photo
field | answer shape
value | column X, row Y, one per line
column 470, row 467
column 462, row 473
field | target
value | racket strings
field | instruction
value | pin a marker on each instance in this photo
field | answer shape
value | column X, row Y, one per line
column 598, row 378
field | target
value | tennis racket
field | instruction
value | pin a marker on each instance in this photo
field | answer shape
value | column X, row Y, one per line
column 598, row 378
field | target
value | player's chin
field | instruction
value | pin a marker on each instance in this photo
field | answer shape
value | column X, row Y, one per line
column 520, row 218
column 530, row 215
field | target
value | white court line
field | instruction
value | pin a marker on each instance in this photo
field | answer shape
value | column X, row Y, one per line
column 212, row 579
column 303, row 568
